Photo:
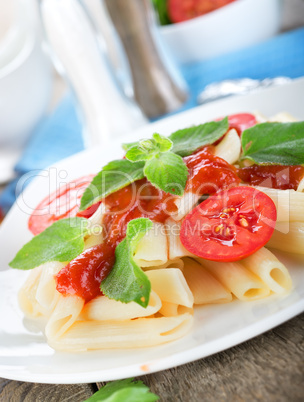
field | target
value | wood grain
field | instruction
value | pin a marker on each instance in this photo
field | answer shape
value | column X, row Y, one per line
column 15, row 391
column 268, row 368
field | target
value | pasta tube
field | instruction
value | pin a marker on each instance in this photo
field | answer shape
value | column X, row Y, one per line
column 171, row 286
column 176, row 249
column 152, row 250
column 103, row 309
column 237, row 279
column 269, row 269
column 289, row 203
column 205, row 287
column 229, row 148
column 143, row 332
column 27, row 295
column 66, row 312
column 291, row 242
column 184, row 205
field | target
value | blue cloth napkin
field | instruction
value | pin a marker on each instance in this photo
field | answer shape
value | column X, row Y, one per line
column 60, row 134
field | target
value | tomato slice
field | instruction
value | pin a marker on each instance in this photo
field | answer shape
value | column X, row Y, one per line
column 182, row 10
column 241, row 121
column 62, row 203
column 230, row 225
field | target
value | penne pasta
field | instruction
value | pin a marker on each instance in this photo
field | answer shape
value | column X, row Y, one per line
column 175, row 263
column 269, row 269
column 176, row 249
column 184, row 205
column 289, row 203
column 292, row 241
column 27, row 294
column 260, row 118
column 46, row 294
column 152, row 250
column 301, row 186
column 97, row 217
column 143, row 332
column 103, row 309
column 66, row 312
column 237, row 279
column 173, row 310
column 229, row 148
column 205, row 287
column 283, row 117
column 171, row 286
column 93, row 240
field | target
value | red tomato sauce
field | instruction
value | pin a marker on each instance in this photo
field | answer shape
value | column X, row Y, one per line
column 83, row 275
column 209, row 173
column 272, row 176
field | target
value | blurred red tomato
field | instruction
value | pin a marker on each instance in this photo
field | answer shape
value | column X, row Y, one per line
column 182, row 10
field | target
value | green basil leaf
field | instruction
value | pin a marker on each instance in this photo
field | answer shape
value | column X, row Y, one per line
column 127, row 282
column 167, row 172
column 123, row 390
column 274, row 143
column 137, row 153
column 163, row 143
column 62, row 241
column 147, row 149
column 129, row 145
column 189, row 140
column 114, row 176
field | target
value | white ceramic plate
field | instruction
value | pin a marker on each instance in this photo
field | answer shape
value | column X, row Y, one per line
column 25, row 356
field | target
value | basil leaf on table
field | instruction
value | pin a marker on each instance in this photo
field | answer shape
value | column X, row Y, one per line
column 167, row 172
column 189, row 140
column 62, row 241
column 274, row 143
column 114, row 176
column 126, row 390
column 127, row 282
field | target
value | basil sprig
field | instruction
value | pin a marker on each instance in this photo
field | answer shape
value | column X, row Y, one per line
column 274, row 143
column 190, row 139
column 158, row 159
column 164, row 169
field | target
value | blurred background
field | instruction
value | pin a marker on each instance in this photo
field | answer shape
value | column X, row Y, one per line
column 69, row 68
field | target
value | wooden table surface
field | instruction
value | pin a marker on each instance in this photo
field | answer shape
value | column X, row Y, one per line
column 268, row 368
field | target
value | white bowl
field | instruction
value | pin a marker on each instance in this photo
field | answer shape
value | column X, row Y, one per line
column 232, row 27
